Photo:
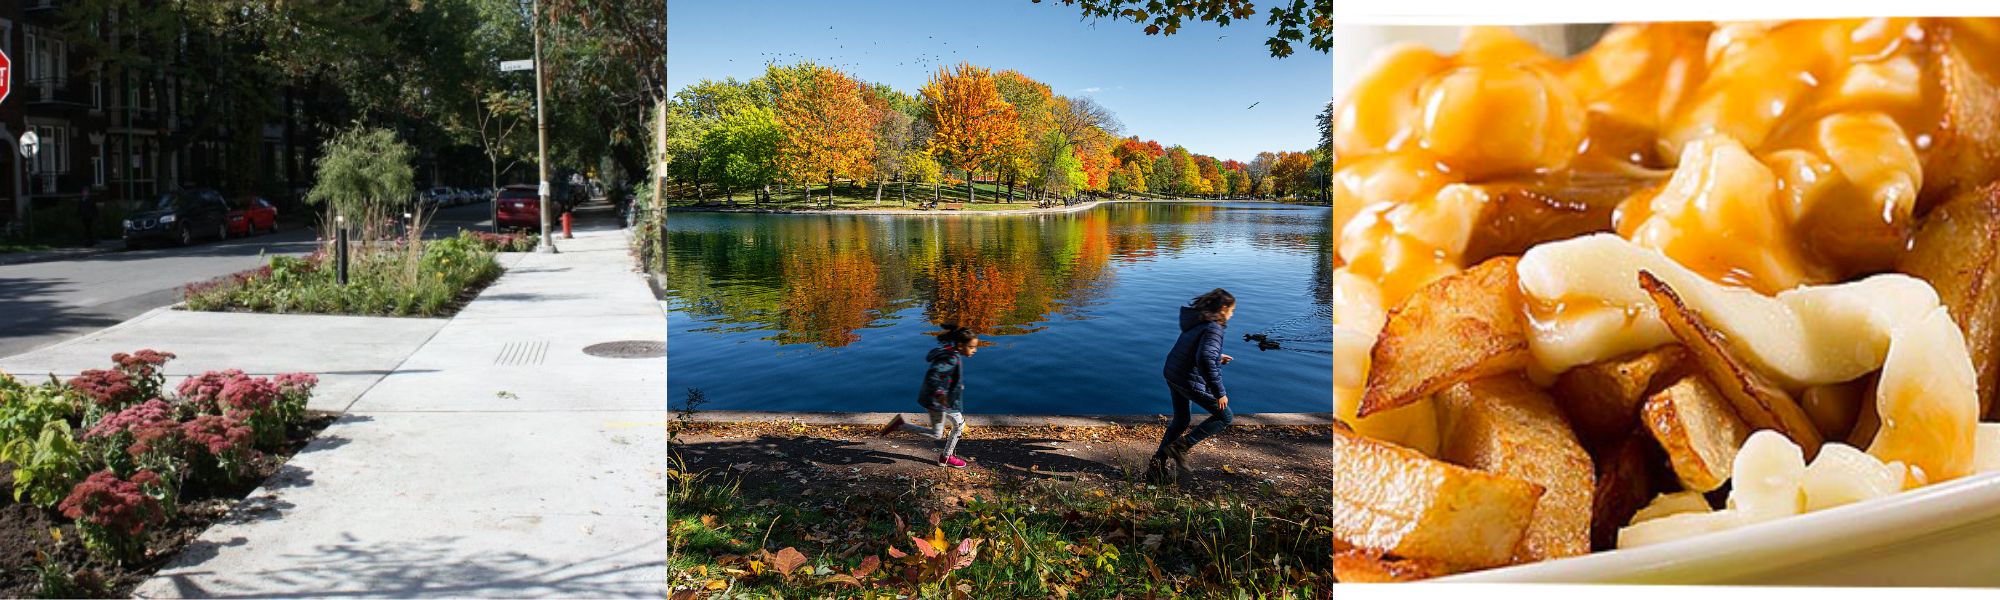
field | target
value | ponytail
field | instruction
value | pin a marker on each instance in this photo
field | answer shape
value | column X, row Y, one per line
column 1212, row 303
column 955, row 335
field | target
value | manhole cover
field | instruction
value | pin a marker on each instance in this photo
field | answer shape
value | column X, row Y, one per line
column 628, row 349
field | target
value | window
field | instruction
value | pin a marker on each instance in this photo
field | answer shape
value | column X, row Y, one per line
column 48, row 57
column 97, row 167
column 53, row 156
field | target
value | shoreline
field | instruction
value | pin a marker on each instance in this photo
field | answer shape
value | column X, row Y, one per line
column 751, row 209
column 994, row 420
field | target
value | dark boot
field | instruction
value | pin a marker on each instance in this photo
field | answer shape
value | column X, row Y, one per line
column 1157, row 472
column 1177, row 451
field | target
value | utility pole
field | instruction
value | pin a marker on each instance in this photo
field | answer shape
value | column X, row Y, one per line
column 541, row 132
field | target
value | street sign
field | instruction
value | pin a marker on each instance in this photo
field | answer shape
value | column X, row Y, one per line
column 508, row 66
column 6, row 75
column 31, row 144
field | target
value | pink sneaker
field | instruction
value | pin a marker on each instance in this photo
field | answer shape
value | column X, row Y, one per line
column 951, row 461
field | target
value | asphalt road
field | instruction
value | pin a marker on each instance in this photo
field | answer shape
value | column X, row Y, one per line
column 43, row 303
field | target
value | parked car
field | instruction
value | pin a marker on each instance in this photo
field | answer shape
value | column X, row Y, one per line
column 437, row 196
column 181, row 217
column 517, row 206
column 252, row 214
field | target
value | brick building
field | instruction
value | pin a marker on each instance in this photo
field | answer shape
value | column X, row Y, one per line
column 119, row 136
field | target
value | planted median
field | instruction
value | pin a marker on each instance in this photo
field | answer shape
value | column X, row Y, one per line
column 405, row 278
column 391, row 269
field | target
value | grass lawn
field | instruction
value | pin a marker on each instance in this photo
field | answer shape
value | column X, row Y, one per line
column 10, row 247
column 849, row 197
column 776, row 510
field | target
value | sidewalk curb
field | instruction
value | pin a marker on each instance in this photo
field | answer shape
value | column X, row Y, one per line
column 22, row 258
column 77, row 339
column 878, row 418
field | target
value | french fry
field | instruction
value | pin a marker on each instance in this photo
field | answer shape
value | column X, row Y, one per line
column 1362, row 566
column 1602, row 399
column 1965, row 148
column 1758, row 401
column 1624, row 485
column 1867, row 420
column 1508, row 426
column 1395, row 500
column 1698, row 430
column 1958, row 251
column 1834, row 408
column 1562, row 205
column 1459, row 328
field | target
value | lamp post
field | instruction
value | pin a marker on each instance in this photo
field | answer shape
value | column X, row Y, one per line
column 541, row 134
column 340, row 248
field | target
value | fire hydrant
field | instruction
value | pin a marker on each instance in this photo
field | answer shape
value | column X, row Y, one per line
column 565, row 221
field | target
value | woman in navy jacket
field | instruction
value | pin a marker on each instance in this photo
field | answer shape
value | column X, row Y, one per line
column 1194, row 375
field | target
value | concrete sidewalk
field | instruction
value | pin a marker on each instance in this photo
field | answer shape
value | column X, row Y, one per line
column 497, row 459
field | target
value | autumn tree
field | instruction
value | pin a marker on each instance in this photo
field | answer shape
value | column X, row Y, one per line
column 828, row 129
column 1258, row 170
column 1290, row 172
column 972, row 125
column 895, row 136
column 1036, row 107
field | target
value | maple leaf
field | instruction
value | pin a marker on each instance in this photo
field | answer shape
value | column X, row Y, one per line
column 786, row 560
column 868, row 566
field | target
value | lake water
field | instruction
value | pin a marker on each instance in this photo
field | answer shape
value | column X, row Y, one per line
column 790, row 312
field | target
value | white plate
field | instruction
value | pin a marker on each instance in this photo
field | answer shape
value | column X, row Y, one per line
column 1941, row 535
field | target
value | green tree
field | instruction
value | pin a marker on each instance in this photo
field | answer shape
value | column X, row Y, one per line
column 743, row 149
column 1294, row 19
column 364, row 172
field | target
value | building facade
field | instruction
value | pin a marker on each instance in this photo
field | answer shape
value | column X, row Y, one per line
column 120, row 136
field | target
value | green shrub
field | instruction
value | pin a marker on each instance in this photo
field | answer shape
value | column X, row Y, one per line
column 47, row 465
column 426, row 279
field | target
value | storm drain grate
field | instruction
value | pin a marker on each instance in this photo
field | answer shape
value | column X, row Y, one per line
column 522, row 353
column 628, row 349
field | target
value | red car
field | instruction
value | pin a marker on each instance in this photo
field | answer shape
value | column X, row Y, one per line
column 517, row 206
column 251, row 215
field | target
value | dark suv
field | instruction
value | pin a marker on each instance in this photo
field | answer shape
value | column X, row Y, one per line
column 180, row 217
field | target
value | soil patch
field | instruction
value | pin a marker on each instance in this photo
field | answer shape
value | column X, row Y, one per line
column 790, row 460
column 31, row 538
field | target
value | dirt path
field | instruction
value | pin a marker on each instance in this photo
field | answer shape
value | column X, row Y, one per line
column 790, row 460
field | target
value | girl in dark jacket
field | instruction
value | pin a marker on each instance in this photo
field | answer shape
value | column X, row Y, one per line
column 943, row 392
column 1194, row 375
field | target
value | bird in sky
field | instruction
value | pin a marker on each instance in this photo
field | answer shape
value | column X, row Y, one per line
column 1254, row 104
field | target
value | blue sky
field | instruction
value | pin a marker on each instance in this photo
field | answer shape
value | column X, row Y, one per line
column 1194, row 88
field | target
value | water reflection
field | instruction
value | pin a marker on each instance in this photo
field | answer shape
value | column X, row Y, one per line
column 747, row 292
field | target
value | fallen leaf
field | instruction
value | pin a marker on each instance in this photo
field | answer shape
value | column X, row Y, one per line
column 786, row 560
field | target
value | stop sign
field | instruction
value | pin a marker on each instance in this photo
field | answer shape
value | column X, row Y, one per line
column 6, row 75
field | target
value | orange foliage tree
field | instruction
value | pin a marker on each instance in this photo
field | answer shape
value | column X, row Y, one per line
column 972, row 126
column 829, row 129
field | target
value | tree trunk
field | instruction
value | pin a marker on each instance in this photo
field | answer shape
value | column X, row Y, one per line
column 971, row 193
column 905, row 200
column 878, row 191
column 829, row 189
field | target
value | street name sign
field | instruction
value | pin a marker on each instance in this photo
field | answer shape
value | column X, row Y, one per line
column 508, row 66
